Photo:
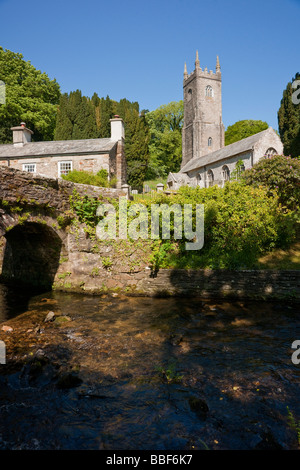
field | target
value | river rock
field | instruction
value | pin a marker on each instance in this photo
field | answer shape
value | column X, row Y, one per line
column 7, row 328
column 70, row 380
column 62, row 319
column 199, row 407
column 50, row 317
column 268, row 442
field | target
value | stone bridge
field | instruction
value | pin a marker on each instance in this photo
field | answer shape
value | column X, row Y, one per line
column 35, row 237
column 40, row 246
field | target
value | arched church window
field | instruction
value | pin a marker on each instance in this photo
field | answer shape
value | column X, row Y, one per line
column 209, row 142
column 210, row 177
column 225, row 173
column 189, row 95
column 209, row 91
column 198, row 179
column 270, row 152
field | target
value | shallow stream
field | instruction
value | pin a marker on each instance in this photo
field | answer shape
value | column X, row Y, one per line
column 115, row 372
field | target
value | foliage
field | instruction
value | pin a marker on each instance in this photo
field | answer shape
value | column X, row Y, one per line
column 85, row 208
column 241, row 222
column 165, row 124
column 238, row 170
column 136, row 147
column 106, row 262
column 242, row 129
column 289, row 121
column 30, row 96
column 75, row 118
column 86, row 177
column 280, row 174
column 294, row 424
column 169, row 373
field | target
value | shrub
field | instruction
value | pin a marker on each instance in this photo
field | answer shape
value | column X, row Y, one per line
column 86, row 177
column 280, row 174
column 241, row 222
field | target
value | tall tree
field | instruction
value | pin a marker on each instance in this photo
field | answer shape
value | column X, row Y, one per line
column 76, row 118
column 30, row 96
column 136, row 147
column 165, row 146
column 106, row 112
column 242, row 129
column 289, row 121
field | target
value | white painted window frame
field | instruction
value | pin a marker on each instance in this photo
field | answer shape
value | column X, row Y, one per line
column 29, row 165
column 64, row 162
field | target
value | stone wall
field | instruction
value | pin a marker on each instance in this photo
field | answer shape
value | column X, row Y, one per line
column 38, row 190
column 95, row 266
column 71, row 258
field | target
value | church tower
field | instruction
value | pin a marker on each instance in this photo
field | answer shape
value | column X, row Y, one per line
column 203, row 129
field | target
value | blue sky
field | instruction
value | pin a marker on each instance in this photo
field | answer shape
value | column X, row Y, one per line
column 137, row 50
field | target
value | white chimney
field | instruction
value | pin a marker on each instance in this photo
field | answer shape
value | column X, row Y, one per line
column 21, row 135
column 117, row 128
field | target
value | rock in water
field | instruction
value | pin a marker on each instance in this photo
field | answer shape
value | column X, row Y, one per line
column 50, row 317
column 7, row 328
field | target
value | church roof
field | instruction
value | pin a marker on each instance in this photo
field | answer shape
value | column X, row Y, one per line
column 180, row 178
column 58, row 147
column 228, row 151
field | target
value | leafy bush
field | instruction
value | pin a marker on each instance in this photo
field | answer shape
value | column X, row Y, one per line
column 86, row 177
column 241, row 222
column 85, row 208
column 280, row 174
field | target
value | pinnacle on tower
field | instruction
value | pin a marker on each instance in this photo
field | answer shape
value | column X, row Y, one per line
column 218, row 68
column 197, row 63
column 185, row 74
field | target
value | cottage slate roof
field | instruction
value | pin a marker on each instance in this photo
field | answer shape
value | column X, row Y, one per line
column 58, row 147
column 228, row 151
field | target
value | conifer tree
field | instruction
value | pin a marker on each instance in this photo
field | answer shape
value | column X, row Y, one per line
column 106, row 113
column 136, row 147
column 289, row 121
column 76, row 118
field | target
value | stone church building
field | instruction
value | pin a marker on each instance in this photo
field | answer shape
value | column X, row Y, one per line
column 206, row 160
column 58, row 158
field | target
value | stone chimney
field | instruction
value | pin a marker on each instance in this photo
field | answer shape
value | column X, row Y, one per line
column 21, row 135
column 118, row 134
column 117, row 128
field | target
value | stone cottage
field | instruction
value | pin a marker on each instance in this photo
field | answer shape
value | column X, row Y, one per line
column 58, row 158
column 206, row 160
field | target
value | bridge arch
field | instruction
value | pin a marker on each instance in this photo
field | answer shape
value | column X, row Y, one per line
column 31, row 255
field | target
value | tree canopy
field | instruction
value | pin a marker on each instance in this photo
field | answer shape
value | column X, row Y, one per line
column 75, row 118
column 279, row 174
column 30, row 96
column 242, row 129
column 289, row 121
column 165, row 145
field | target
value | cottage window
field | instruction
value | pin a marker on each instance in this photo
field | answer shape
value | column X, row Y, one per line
column 209, row 142
column 30, row 167
column 209, row 91
column 64, row 168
